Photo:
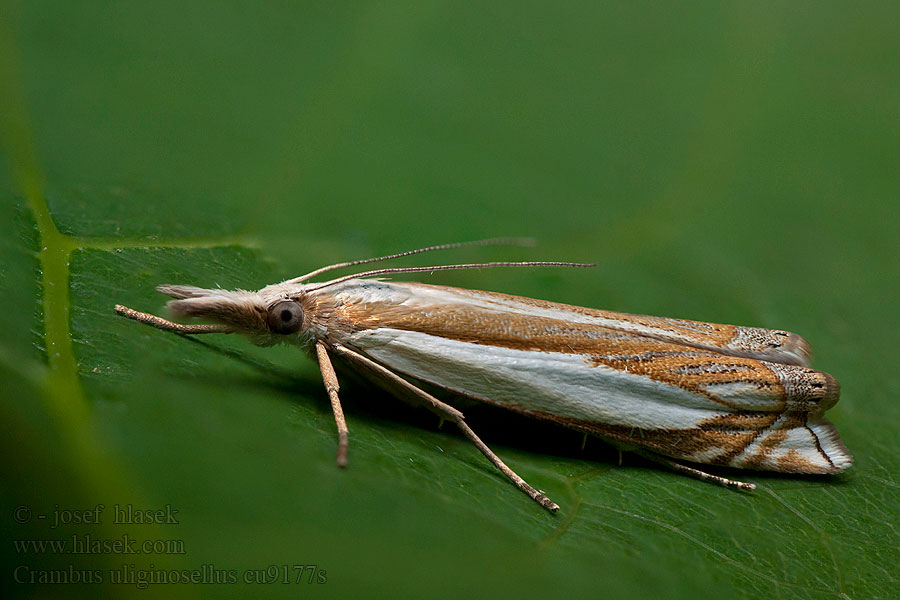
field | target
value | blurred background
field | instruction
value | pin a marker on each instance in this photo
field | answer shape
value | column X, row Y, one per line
column 726, row 162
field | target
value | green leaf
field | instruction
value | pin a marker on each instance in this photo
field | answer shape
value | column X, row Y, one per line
column 728, row 163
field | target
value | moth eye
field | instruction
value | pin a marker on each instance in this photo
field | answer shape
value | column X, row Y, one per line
column 285, row 317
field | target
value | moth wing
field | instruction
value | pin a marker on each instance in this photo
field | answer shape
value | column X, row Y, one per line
column 755, row 423
column 772, row 345
column 632, row 383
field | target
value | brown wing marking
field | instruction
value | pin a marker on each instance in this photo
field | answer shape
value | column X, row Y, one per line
column 772, row 386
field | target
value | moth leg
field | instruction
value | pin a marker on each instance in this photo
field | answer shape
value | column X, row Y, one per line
column 520, row 483
column 332, row 387
column 396, row 384
column 696, row 473
column 166, row 325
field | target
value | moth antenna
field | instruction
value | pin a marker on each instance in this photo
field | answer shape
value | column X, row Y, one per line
column 458, row 267
column 500, row 241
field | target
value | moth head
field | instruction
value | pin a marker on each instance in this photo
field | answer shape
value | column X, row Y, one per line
column 266, row 318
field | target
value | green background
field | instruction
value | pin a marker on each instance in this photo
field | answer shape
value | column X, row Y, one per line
column 732, row 162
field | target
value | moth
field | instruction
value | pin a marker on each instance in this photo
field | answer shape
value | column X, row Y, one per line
column 680, row 393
